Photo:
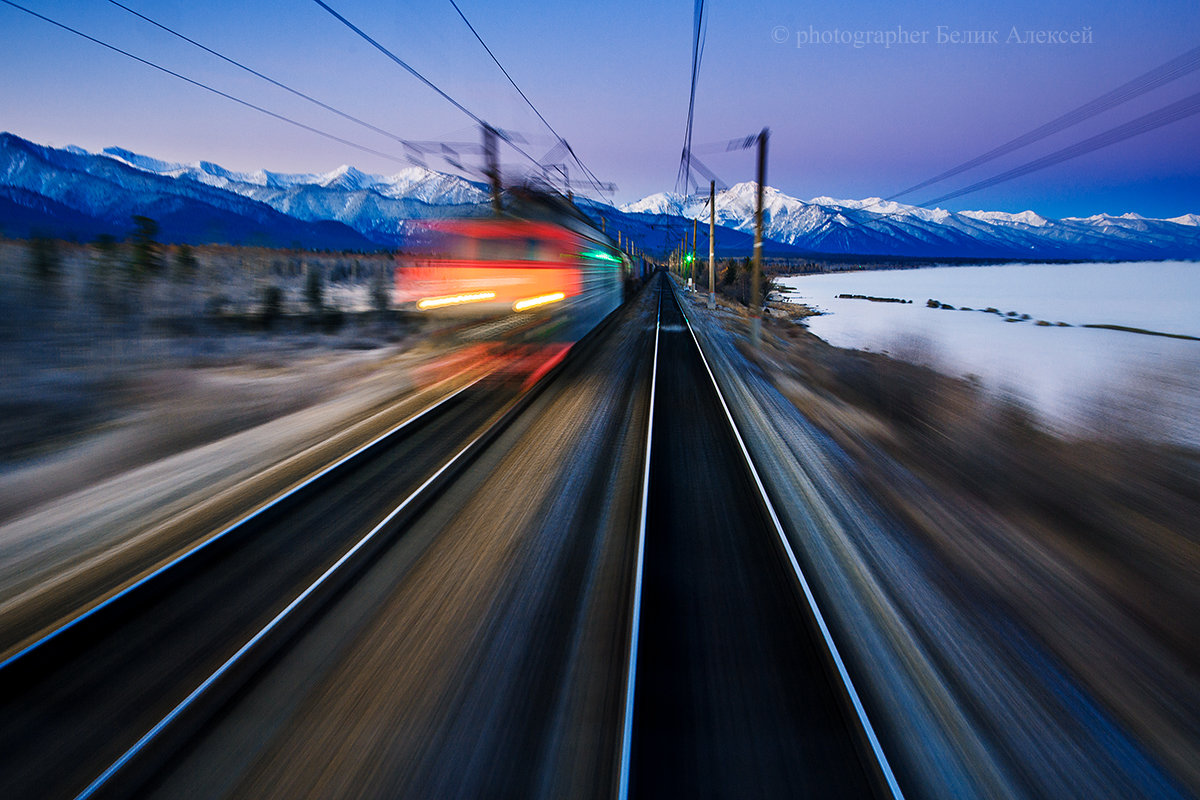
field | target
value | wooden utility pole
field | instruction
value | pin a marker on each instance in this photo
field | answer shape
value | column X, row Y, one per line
column 695, row 226
column 756, row 273
column 491, row 155
column 712, row 234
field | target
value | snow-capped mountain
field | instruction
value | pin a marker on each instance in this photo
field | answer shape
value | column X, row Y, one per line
column 413, row 183
column 72, row 192
column 371, row 204
column 881, row 227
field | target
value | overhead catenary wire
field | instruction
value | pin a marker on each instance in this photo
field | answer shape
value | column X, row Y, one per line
column 591, row 176
column 405, row 142
column 699, row 28
column 1175, row 68
column 1166, row 115
column 206, row 87
column 416, row 74
column 698, row 166
column 1173, row 112
column 401, row 62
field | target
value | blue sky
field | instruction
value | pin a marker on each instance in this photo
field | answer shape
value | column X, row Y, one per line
column 613, row 79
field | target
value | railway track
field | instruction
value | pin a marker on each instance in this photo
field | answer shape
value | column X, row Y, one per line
column 82, row 701
column 583, row 593
column 483, row 654
column 736, row 687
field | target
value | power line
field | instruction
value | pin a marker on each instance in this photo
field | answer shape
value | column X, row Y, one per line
column 1173, row 112
column 412, row 71
column 400, row 61
column 1175, row 68
column 698, row 26
column 208, row 88
column 588, row 172
column 268, row 79
column 698, row 166
column 698, row 37
column 1166, row 115
column 1147, row 122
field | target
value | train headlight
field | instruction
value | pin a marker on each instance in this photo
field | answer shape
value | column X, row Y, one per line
column 540, row 300
column 454, row 300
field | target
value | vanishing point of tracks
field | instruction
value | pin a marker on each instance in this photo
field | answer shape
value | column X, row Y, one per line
column 645, row 628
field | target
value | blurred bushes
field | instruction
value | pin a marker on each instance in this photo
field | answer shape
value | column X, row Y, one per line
column 1125, row 497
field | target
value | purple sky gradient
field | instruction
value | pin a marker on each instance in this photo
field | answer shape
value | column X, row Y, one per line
column 613, row 79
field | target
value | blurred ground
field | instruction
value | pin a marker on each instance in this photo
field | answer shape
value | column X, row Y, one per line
column 129, row 435
column 1071, row 563
column 1029, row 602
column 483, row 652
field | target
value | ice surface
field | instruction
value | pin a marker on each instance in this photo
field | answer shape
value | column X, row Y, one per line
column 1066, row 373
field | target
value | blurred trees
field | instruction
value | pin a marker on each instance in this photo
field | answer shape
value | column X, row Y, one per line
column 147, row 259
column 381, row 289
column 272, row 305
column 314, row 289
column 45, row 265
column 113, row 288
column 731, row 271
column 186, row 264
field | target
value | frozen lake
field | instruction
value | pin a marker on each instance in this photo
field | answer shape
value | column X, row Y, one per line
column 1067, row 373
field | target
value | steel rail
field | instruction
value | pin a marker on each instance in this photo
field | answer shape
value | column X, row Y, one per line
column 465, row 452
column 196, row 693
column 229, row 529
column 843, row 673
column 631, row 673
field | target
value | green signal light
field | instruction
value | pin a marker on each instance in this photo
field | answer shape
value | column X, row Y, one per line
column 689, row 258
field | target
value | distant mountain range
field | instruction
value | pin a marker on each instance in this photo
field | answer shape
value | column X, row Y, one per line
column 72, row 193
column 879, row 227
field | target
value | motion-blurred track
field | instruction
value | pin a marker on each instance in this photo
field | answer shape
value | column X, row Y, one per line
column 77, row 699
column 484, row 653
column 735, row 694
column 480, row 645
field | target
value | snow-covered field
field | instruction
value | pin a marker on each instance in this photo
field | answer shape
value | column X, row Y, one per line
column 1072, row 375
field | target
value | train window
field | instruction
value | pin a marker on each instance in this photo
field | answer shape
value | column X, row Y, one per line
column 509, row 249
column 494, row 250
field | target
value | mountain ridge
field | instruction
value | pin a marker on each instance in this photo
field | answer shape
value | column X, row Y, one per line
column 874, row 226
column 348, row 208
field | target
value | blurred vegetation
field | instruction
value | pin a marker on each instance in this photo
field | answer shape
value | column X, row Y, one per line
column 147, row 260
column 272, row 305
column 314, row 289
column 45, row 264
column 1088, row 536
column 186, row 265
column 81, row 324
